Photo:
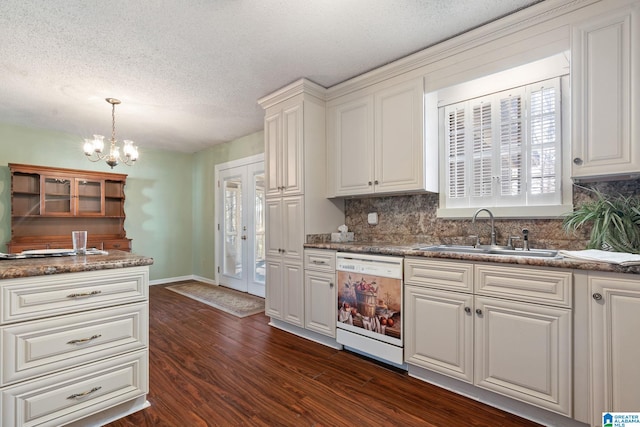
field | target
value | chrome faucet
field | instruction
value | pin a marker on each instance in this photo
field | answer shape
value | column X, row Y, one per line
column 493, row 228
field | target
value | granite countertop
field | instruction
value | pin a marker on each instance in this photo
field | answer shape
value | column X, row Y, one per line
column 378, row 248
column 16, row 268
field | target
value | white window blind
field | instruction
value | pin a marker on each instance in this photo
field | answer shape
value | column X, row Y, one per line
column 504, row 149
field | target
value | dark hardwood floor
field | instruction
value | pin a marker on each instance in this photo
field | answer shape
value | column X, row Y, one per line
column 209, row 368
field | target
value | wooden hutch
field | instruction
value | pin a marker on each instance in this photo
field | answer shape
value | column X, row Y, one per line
column 47, row 204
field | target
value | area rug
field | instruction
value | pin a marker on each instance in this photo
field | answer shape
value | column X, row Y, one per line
column 228, row 300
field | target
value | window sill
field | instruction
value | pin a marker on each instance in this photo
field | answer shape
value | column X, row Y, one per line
column 547, row 212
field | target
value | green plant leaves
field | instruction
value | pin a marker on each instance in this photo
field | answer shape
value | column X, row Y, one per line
column 615, row 222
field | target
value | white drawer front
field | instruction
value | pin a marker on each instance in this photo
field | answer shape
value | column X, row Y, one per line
column 40, row 347
column 320, row 260
column 544, row 286
column 453, row 275
column 58, row 399
column 45, row 296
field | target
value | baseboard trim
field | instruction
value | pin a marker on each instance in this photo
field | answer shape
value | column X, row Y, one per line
column 180, row 279
column 521, row 409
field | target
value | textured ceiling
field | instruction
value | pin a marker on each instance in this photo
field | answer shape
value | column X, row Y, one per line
column 189, row 73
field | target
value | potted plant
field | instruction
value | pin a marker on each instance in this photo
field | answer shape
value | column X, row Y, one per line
column 615, row 222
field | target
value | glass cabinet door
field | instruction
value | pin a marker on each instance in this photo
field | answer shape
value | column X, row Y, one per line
column 89, row 197
column 56, row 195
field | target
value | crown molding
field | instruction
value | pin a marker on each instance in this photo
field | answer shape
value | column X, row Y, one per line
column 533, row 15
column 297, row 87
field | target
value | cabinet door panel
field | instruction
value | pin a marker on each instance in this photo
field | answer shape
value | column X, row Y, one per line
column 293, row 288
column 272, row 125
column 273, row 230
column 89, row 197
column 293, row 227
column 320, row 302
column 439, row 331
column 273, row 289
column 352, row 136
column 605, row 69
column 399, row 145
column 615, row 322
column 524, row 351
column 292, row 151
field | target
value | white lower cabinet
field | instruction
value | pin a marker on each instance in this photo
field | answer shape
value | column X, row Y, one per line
column 74, row 346
column 285, row 293
column 439, row 331
column 518, row 349
column 320, row 292
column 523, row 350
column 614, row 322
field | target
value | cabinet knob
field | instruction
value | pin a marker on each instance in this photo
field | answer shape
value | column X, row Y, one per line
column 597, row 296
column 331, row 284
column 467, row 310
column 370, row 183
column 478, row 312
column 577, row 161
column 375, row 182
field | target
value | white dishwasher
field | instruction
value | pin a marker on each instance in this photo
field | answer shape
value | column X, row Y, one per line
column 370, row 304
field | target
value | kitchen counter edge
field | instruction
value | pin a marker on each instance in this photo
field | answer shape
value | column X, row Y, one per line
column 30, row 267
column 404, row 250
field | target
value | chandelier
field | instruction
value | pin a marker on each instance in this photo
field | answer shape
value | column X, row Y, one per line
column 93, row 148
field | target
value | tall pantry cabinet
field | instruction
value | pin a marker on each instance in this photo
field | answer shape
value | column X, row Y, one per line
column 295, row 153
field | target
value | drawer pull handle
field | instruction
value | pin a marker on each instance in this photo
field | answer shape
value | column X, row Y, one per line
column 84, row 294
column 83, row 340
column 315, row 261
column 78, row 395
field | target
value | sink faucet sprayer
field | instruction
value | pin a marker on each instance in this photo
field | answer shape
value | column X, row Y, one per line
column 493, row 228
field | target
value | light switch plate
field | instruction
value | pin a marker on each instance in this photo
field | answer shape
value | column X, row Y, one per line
column 372, row 218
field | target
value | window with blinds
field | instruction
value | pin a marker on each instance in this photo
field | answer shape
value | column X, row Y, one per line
column 504, row 149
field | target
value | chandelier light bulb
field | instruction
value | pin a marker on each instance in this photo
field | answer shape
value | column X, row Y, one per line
column 93, row 149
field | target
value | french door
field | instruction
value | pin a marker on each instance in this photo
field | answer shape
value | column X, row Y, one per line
column 241, row 228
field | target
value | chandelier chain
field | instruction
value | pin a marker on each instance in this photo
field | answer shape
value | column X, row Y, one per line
column 113, row 123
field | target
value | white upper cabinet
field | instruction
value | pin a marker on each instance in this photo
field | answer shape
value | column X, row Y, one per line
column 350, row 140
column 605, row 81
column 284, row 149
column 376, row 141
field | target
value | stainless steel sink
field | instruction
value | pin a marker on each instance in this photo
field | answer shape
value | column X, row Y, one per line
column 491, row 250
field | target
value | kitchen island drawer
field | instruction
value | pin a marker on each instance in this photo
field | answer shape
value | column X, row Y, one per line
column 36, row 348
column 34, row 297
column 536, row 285
column 58, row 399
column 451, row 275
column 320, row 260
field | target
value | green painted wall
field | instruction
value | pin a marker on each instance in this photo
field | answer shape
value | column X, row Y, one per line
column 159, row 210
column 204, row 226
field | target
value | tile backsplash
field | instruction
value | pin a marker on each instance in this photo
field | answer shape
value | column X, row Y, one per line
column 412, row 219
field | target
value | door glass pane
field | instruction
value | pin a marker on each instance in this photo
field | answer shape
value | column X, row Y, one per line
column 259, row 245
column 233, row 227
column 89, row 197
column 57, row 195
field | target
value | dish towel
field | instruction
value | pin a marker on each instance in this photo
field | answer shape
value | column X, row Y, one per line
column 620, row 258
